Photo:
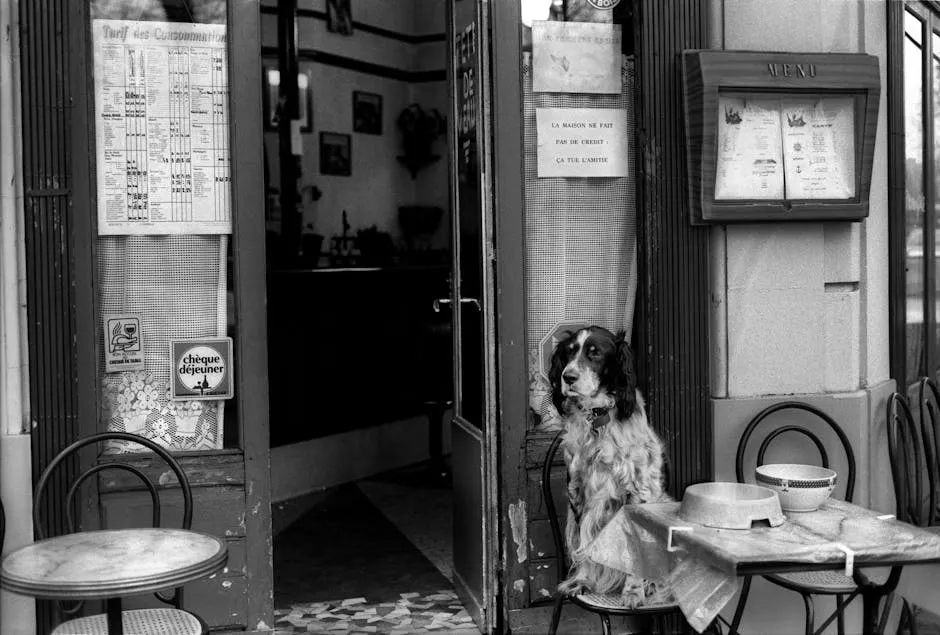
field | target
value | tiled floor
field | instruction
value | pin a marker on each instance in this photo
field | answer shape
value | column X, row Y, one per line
column 370, row 557
column 413, row 613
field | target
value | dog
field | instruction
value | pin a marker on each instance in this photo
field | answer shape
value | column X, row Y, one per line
column 613, row 456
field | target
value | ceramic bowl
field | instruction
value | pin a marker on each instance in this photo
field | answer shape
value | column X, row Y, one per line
column 801, row 488
column 730, row 505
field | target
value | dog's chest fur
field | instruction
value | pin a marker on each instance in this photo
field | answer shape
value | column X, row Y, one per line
column 614, row 465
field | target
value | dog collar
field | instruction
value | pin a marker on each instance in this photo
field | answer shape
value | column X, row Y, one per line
column 600, row 417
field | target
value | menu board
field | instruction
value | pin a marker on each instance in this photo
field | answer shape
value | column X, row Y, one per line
column 161, row 127
column 795, row 148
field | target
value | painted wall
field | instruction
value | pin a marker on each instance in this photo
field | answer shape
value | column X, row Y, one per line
column 378, row 184
column 800, row 311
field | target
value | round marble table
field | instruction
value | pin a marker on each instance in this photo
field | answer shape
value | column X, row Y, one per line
column 112, row 563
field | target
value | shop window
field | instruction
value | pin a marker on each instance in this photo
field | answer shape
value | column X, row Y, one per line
column 163, row 179
column 578, row 86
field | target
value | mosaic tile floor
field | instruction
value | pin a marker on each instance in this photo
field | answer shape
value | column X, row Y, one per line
column 439, row 612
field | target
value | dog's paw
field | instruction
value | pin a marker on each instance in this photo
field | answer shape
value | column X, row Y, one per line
column 573, row 586
column 633, row 596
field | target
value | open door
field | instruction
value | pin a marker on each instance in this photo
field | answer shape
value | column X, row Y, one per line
column 473, row 425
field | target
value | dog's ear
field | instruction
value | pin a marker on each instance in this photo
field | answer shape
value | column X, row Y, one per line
column 559, row 361
column 623, row 379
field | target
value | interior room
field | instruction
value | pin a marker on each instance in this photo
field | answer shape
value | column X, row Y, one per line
column 359, row 348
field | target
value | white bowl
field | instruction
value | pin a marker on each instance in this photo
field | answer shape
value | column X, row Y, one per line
column 801, row 488
column 730, row 505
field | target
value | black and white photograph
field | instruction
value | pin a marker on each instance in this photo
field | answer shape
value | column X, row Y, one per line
column 621, row 317
column 367, row 112
column 335, row 154
column 339, row 16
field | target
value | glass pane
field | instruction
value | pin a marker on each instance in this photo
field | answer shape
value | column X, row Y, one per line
column 914, row 195
column 578, row 89
column 935, row 96
column 163, row 168
column 470, row 201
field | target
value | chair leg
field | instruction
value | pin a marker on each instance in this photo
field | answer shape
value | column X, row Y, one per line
column 808, row 601
column 605, row 623
column 912, row 618
column 739, row 611
column 556, row 613
column 840, row 618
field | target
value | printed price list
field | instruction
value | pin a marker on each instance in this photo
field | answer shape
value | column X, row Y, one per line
column 161, row 105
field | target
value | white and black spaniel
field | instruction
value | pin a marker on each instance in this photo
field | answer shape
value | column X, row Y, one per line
column 614, row 458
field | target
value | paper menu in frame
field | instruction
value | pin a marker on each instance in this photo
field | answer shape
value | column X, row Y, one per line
column 576, row 57
column 161, row 128
column 819, row 147
column 750, row 160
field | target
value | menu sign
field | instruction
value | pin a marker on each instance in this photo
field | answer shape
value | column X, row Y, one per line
column 785, row 148
column 749, row 162
column 161, row 124
column 819, row 147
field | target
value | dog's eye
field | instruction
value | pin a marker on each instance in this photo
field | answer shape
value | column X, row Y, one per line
column 593, row 352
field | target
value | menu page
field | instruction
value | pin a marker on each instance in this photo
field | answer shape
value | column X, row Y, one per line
column 161, row 124
column 749, row 156
column 819, row 147
column 795, row 148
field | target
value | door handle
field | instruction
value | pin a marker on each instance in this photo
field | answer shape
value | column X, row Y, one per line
column 436, row 305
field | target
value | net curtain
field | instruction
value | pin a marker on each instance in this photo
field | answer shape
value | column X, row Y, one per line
column 580, row 240
column 177, row 284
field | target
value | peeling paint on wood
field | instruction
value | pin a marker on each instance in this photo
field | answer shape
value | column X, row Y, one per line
column 519, row 585
column 519, row 526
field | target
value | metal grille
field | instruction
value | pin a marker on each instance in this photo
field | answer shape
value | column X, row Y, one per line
column 672, row 329
column 50, row 295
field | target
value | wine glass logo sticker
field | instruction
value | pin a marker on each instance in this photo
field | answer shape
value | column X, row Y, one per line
column 124, row 336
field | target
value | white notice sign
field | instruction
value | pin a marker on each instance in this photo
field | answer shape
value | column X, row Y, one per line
column 161, row 128
column 581, row 142
column 576, row 57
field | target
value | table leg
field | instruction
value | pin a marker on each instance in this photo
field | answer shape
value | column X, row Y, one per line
column 115, row 624
column 871, row 599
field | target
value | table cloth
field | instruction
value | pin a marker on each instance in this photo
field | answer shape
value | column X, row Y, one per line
column 702, row 565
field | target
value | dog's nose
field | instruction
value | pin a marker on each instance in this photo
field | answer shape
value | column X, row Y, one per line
column 570, row 377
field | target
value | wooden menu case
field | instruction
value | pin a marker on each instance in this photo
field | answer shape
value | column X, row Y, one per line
column 779, row 136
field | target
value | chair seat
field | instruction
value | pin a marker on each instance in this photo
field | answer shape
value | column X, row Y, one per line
column 831, row 582
column 139, row 622
column 614, row 603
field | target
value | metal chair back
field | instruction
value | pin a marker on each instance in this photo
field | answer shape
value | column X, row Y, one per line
column 775, row 433
column 64, row 455
column 561, row 556
column 907, row 453
column 930, row 434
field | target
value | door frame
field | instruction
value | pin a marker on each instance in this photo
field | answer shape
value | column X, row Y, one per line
column 243, row 23
column 671, row 326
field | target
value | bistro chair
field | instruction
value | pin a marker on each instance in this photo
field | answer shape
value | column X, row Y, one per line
column 930, row 434
column 159, row 621
column 811, row 583
column 910, row 451
column 602, row 605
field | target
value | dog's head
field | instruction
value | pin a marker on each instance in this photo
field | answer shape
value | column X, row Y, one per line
column 593, row 368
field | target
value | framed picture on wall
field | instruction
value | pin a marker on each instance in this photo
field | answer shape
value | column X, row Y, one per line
column 367, row 112
column 271, row 78
column 339, row 16
column 335, row 154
